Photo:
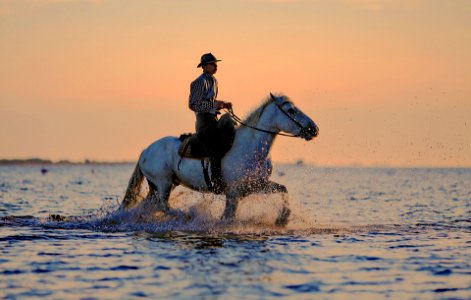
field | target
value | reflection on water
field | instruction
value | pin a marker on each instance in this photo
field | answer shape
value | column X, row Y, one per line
column 354, row 233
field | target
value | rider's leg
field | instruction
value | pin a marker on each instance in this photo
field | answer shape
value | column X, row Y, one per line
column 206, row 130
column 209, row 134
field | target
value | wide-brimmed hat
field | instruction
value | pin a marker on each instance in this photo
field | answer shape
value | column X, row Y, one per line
column 207, row 59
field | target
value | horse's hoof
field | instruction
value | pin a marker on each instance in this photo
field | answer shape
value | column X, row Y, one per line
column 282, row 189
column 159, row 214
column 176, row 214
column 282, row 219
column 57, row 218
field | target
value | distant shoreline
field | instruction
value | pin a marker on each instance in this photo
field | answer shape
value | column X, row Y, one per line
column 47, row 162
column 40, row 161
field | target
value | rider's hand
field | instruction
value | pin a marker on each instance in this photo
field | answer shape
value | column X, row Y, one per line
column 219, row 104
column 227, row 105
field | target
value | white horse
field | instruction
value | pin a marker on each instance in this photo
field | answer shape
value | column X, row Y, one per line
column 246, row 167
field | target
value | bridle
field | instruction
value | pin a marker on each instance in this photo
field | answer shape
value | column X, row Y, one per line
column 280, row 107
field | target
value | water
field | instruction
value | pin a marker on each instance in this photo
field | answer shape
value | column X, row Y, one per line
column 354, row 233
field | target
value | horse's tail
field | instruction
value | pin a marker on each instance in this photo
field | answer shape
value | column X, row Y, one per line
column 134, row 187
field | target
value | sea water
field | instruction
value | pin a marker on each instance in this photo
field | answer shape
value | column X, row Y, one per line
column 354, row 233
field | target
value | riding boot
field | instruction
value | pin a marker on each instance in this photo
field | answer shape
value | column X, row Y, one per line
column 216, row 176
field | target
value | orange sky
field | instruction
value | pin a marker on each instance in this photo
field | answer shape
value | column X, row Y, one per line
column 388, row 82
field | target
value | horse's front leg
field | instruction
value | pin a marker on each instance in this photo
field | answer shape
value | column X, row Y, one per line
column 284, row 214
column 231, row 208
column 273, row 187
column 232, row 202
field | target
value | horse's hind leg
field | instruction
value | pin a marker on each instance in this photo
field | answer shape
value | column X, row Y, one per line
column 158, row 196
column 164, row 194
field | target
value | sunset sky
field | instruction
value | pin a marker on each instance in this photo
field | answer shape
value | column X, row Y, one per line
column 388, row 82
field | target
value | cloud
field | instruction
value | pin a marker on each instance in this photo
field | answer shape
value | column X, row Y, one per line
column 46, row 2
column 365, row 4
column 377, row 5
column 8, row 7
column 275, row 1
column 5, row 10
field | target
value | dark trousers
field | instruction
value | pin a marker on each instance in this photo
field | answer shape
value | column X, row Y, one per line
column 209, row 134
column 209, row 137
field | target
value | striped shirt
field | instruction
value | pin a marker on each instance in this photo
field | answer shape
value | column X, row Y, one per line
column 203, row 92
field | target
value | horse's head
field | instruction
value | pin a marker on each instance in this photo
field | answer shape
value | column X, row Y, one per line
column 291, row 119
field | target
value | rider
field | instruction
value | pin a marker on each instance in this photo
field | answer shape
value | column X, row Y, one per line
column 210, row 132
column 203, row 93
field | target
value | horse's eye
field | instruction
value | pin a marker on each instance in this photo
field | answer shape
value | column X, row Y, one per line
column 291, row 110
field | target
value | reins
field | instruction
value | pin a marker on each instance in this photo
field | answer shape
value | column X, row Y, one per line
column 239, row 120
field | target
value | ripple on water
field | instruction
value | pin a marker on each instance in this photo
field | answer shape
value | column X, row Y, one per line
column 418, row 246
column 124, row 268
column 309, row 287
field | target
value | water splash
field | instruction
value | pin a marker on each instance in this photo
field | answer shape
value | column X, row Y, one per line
column 195, row 212
column 192, row 212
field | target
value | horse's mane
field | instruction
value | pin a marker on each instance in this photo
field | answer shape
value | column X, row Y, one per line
column 254, row 116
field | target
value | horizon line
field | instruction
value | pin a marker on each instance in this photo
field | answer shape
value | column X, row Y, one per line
column 300, row 162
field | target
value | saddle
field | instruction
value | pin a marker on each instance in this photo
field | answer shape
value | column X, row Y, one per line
column 192, row 148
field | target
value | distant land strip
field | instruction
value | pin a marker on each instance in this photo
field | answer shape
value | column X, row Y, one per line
column 40, row 161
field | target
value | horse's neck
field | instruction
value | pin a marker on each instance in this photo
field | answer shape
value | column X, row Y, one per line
column 254, row 145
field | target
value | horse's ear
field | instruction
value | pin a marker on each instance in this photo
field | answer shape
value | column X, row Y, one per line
column 272, row 97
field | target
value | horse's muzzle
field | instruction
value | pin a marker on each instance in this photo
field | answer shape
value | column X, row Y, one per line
column 310, row 132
